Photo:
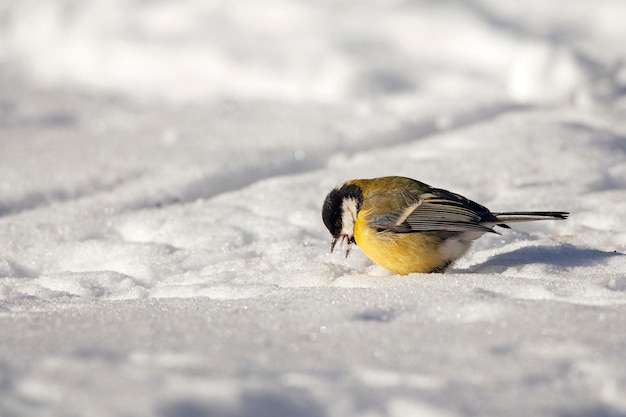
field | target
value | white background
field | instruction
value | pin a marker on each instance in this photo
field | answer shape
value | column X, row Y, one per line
column 162, row 170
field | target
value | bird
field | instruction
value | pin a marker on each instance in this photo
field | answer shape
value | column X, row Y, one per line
column 407, row 226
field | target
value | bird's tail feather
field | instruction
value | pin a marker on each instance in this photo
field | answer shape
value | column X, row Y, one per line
column 527, row 216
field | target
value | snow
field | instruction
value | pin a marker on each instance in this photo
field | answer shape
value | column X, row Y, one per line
column 162, row 170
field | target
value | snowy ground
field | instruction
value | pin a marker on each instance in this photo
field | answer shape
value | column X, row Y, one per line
column 162, row 169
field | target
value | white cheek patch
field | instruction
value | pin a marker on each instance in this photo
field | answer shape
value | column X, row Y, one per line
column 348, row 216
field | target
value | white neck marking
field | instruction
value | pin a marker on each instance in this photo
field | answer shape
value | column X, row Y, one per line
column 348, row 216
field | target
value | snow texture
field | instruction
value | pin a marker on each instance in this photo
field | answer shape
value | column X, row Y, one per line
column 162, row 170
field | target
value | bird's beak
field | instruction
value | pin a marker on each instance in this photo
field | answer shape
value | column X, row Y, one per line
column 343, row 239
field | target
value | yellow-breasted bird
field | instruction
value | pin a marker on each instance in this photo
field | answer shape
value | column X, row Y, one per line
column 407, row 226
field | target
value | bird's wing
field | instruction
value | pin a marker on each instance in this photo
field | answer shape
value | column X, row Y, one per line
column 437, row 210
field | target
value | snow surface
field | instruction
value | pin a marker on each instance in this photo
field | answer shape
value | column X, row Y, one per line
column 162, row 169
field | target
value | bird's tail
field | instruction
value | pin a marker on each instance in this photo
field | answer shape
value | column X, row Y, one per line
column 528, row 216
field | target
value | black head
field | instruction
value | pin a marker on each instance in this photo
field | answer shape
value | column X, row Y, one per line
column 334, row 207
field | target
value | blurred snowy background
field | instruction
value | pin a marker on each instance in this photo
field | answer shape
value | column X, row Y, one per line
column 162, row 168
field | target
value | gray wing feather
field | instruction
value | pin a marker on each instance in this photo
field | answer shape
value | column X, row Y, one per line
column 435, row 213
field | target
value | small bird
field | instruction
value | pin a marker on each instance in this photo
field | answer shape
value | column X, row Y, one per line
column 407, row 226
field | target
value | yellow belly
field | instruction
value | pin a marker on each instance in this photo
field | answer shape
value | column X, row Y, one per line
column 402, row 253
